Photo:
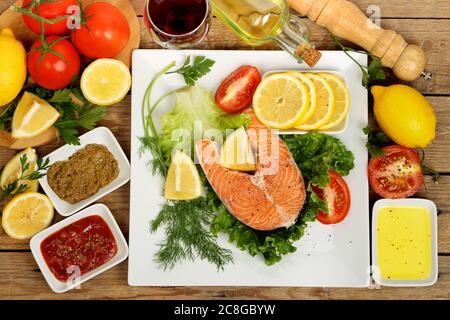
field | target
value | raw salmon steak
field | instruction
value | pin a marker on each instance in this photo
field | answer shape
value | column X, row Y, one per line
column 269, row 199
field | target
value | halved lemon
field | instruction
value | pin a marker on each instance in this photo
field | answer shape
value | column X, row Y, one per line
column 312, row 96
column 236, row 153
column 183, row 181
column 325, row 104
column 342, row 96
column 280, row 101
column 32, row 116
column 105, row 82
column 13, row 170
column 27, row 214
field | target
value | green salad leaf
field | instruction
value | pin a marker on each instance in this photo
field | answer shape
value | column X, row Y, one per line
column 315, row 154
column 193, row 114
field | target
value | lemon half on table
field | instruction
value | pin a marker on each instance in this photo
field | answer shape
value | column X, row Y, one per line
column 281, row 101
column 13, row 170
column 27, row 214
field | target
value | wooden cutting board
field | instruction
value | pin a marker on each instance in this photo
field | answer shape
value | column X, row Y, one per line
column 14, row 21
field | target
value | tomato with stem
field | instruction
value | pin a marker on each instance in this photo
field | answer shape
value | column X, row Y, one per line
column 53, row 62
column 52, row 13
column 103, row 32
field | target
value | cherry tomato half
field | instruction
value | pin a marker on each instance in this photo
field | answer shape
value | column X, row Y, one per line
column 105, row 33
column 53, row 71
column 50, row 10
column 398, row 174
column 235, row 93
column 337, row 196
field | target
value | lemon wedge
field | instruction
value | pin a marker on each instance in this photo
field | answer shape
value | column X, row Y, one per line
column 311, row 88
column 280, row 101
column 183, row 181
column 27, row 214
column 32, row 116
column 105, row 82
column 236, row 153
column 13, row 170
column 342, row 97
column 325, row 104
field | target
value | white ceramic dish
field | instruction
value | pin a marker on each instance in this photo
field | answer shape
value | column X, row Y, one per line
column 327, row 256
column 100, row 135
column 421, row 203
column 97, row 209
column 340, row 128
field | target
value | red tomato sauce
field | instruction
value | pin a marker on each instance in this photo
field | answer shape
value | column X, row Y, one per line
column 85, row 244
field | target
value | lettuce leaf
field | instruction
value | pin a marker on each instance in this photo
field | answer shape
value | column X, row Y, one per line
column 194, row 114
column 315, row 153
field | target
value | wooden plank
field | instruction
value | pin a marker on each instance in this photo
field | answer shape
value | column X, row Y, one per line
column 431, row 35
column 21, row 279
column 388, row 8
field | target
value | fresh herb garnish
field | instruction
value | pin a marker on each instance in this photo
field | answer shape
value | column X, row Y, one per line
column 7, row 113
column 436, row 176
column 73, row 116
column 376, row 141
column 371, row 73
column 315, row 154
column 16, row 187
column 187, row 234
column 191, row 72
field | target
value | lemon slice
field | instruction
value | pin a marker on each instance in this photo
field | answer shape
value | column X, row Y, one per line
column 13, row 170
column 27, row 214
column 325, row 104
column 236, row 153
column 280, row 101
column 183, row 181
column 342, row 96
column 105, row 82
column 32, row 116
column 312, row 96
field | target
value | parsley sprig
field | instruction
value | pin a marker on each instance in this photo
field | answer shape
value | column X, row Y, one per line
column 376, row 141
column 370, row 73
column 73, row 115
column 192, row 71
column 17, row 186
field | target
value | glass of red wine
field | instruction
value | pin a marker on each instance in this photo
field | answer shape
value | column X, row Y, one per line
column 177, row 24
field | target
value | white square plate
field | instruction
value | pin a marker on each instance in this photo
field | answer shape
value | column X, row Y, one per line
column 97, row 209
column 327, row 256
column 100, row 135
column 420, row 203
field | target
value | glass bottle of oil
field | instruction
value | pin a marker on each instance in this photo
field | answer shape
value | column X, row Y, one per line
column 261, row 21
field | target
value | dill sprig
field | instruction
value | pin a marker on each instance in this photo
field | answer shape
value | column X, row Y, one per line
column 16, row 187
column 187, row 234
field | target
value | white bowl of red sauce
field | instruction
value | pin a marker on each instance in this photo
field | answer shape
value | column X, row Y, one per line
column 79, row 248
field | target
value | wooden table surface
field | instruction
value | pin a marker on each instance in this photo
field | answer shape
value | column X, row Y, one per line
column 422, row 22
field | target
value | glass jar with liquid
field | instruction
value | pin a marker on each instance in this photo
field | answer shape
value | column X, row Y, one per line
column 260, row 21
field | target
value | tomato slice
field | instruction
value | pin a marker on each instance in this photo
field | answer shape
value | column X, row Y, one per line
column 235, row 93
column 396, row 175
column 337, row 196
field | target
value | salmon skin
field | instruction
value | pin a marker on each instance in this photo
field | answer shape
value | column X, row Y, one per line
column 269, row 199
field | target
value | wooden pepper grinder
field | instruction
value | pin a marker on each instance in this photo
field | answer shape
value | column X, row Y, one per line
column 345, row 20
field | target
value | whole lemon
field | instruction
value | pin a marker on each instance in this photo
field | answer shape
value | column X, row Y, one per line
column 13, row 66
column 405, row 115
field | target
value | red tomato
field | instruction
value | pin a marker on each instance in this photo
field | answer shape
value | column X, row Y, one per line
column 50, row 10
column 53, row 72
column 105, row 33
column 337, row 196
column 235, row 93
column 396, row 175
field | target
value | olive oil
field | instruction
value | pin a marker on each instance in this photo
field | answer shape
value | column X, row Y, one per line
column 260, row 21
column 404, row 243
column 256, row 21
